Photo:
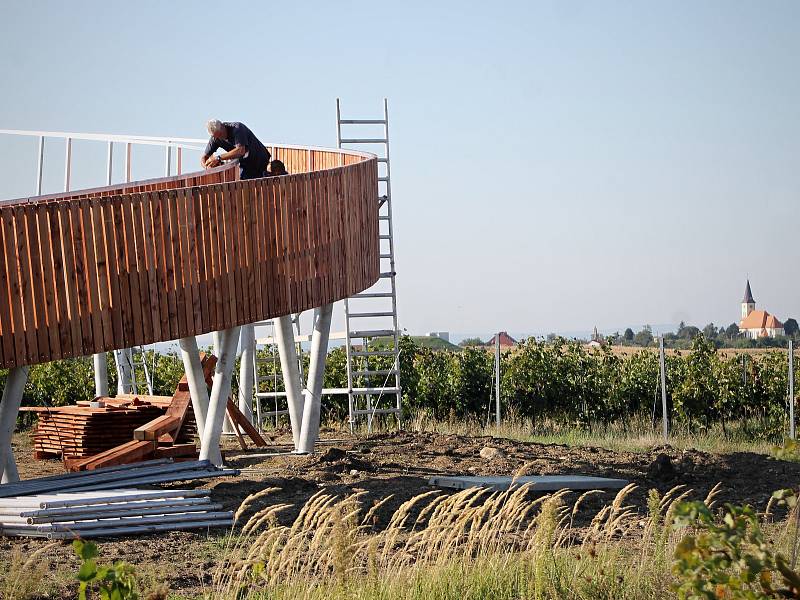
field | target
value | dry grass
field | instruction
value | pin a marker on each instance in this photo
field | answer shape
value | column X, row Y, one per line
column 505, row 544
column 23, row 576
column 634, row 435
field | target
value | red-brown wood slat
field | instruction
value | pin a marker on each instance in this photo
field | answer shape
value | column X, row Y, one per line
column 25, row 285
column 108, row 290
column 172, row 249
column 150, row 245
column 132, row 269
column 139, row 269
column 118, row 263
column 49, row 283
column 11, row 304
column 83, row 245
column 182, row 275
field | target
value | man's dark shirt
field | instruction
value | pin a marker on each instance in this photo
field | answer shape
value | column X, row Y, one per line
column 255, row 162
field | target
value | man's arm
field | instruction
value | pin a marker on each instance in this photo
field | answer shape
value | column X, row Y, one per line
column 217, row 159
column 211, row 147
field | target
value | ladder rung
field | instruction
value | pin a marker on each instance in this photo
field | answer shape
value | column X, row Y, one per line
column 383, row 160
column 384, row 237
column 383, row 217
column 375, row 390
column 387, row 274
column 274, row 413
column 369, row 333
column 370, row 314
column 362, row 121
column 385, row 179
column 374, row 353
column 382, row 200
column 363, row 141
column 384, row 256
column 376, row 372
column 372, row 295
column 270, row 394
column 377, row 411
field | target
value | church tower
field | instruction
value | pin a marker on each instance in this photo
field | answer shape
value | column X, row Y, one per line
column 748, row 304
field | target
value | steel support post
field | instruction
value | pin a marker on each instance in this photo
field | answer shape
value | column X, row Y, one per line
column 247, row 371
column 284, row 339
column 198, row 389
column 309, row 432
column 100, row 374
column 124, row 359
column 220, row 392
column 9, row 409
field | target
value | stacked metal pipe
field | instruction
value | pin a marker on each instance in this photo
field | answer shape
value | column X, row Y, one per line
column 143, row 473
column 100, row 503
column 109, row 513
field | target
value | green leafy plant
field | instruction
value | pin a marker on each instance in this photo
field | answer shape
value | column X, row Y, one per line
column 116, row 581
column 728, row 557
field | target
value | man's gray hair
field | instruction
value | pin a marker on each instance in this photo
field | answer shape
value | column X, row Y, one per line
column 214, row 125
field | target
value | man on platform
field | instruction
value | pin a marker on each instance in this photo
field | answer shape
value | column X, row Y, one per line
column 238, row 142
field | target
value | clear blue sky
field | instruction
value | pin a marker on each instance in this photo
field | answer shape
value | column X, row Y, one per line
column 556, row 165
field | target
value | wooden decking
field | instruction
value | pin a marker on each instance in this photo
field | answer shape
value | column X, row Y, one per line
column 139, row 263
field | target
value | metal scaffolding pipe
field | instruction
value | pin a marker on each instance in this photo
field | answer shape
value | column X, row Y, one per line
column 284, row 339
column 309, row 432
column 198, row 389
column 9, row 409
column 247, row 371
column 220, row 391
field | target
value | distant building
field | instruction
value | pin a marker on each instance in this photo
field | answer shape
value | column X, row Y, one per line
column 506, row 341
column 442, row 335
column 757, row 323
column 597, row 339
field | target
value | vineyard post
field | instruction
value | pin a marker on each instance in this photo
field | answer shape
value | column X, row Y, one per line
column 791, row 389
column 663, row 369
column 497, row 378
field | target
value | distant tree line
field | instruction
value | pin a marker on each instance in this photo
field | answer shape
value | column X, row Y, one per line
column 721, row 337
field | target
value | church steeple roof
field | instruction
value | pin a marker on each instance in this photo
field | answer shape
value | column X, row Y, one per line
column 748, row 295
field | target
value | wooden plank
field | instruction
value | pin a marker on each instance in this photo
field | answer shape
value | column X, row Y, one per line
column 141, row 270
column 157, row 427
column 229, row 259
column 9, row 304
column 134, row 303
column 37, row 282
column 119, row 281
column 108, row 296
column 175, row 451
column 160, row 217
column 178, row 408
column 133, row 451
column 49, row 283
column 151, row 262
column 194, row 237
column 61, row 281
column 26, row 293
column 237, row 417
column 171, row 244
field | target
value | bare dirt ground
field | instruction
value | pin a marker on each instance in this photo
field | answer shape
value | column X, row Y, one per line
column 399, row 464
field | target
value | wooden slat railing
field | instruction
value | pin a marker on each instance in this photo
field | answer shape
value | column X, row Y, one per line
column 91, row 271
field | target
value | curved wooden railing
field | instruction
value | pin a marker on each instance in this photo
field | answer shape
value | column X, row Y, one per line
column 138, row 263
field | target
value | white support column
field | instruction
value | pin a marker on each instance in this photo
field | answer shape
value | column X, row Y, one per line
column 284, row 339
column 124, row 359
column 198, row 390
column 100, row 374
column 309, row 432
column 247, row 371
column 220, row 392
column 9, row 409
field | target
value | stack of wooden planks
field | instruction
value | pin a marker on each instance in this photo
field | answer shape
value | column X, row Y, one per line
column 81, row 431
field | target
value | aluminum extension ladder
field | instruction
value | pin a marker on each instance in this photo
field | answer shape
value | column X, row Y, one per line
column 371, row 316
